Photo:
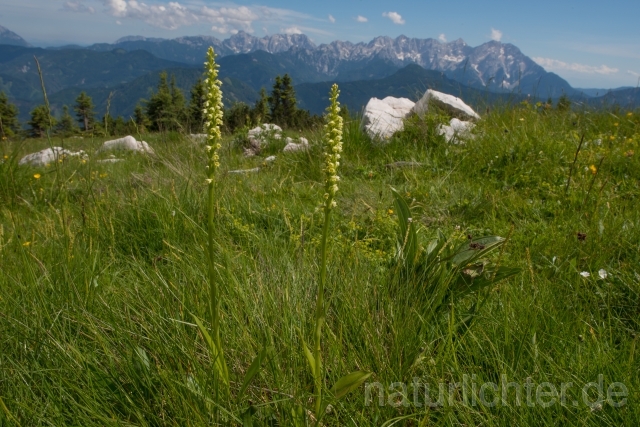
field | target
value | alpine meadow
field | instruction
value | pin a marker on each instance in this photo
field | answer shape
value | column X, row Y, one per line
column 257, row 265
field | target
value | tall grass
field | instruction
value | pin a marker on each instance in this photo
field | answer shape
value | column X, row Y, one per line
column 97, row 329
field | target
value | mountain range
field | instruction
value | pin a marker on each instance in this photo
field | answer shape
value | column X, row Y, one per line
column 128, row 70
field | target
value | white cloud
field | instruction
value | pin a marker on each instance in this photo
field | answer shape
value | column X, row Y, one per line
column 633, row 73
column 361, row 18
column 291, row 30
column 442, row 38
column 395, row 17
column 77, row 6
column 556, row 65
column 118, row 22
column 172, row 15
column 332, row 19
column 496, row 35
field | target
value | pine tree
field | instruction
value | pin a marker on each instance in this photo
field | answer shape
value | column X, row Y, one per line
column 84, row 110
column 196, row 105
column 66, row 126
column 8, row 117
column 40, row 121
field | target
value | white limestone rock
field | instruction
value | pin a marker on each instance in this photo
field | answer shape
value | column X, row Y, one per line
column 266, row 131
column 50, row 155
column 198, row 138
column 243, row 171
column 453, row 105
column 383, row 117
column 110, row 161
column 457, row 131
column 128, row 143
column 293, row 147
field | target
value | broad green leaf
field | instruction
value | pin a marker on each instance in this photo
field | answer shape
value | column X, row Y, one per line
column 253, row 370
column 349, row 383
column 216, row 352
column 407, row 237
column 310, row 359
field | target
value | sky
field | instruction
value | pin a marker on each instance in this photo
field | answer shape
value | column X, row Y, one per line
column 590, row 43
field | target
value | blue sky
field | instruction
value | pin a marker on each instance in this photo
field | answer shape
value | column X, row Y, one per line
column 590, row 43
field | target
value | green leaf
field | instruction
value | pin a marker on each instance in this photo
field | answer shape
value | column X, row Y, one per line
column 253, row 370
column 216, row 352
column 407, row 236
column 310, row 358
column 348, row 383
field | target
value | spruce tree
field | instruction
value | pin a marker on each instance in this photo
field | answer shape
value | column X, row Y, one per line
column 140, row 119
column 178, row 108
column 40, row 121
column 159, row 106
column 8, row 117
column 260, row 111
column 275, row 102
column 288, row 101
column 196, row 105
column 66, row 126
column 84, row 110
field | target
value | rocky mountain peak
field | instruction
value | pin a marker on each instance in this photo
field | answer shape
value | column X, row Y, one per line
column 9, row 37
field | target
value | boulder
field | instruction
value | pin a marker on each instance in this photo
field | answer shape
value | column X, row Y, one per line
column 198, row 137
column 265, row 131
column 128, row 143
column 451, row 104
column 383, row 117
column 50, row 155
column 457, row 131
column 293, row 147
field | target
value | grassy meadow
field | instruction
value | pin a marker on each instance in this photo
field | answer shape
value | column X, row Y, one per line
column 104, row 265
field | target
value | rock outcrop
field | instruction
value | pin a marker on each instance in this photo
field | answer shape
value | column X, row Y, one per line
column 293, row 147
column 449, row 103
column 50, row 155
column 383, row 117
column 127, row 143
column 457, row 131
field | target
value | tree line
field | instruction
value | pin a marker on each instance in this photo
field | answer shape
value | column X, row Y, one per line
column 166, row 110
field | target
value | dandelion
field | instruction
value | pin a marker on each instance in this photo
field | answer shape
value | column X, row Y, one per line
column 26, row 244
column 585, row 274
column 37, row 176
column 390, row 211
column 593, row 169
column 603, row 273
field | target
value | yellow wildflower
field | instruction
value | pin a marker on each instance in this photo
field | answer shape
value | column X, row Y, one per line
column 390, row 211
column 37, row 176
column 26, row 244
column 593, row 169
